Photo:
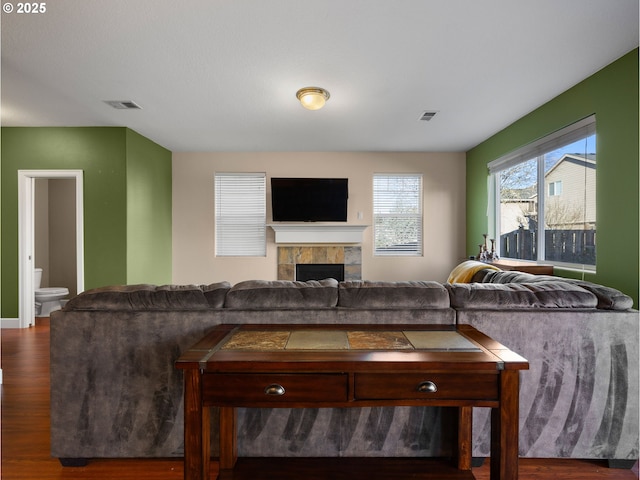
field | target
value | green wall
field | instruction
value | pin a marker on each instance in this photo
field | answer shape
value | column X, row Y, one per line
column 148, row 211
column 612, row 94
column 104, row 154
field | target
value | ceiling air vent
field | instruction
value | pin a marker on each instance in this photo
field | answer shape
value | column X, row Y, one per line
column 427, row 116
column 123, row 104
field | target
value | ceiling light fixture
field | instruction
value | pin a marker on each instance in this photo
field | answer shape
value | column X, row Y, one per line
column 312, row 98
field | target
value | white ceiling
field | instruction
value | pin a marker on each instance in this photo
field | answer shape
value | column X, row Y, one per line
column 221, row 75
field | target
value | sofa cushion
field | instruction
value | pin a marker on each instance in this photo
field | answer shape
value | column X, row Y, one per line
column 487, row 296
column 608, row 298
column 140, row 298
column 253, row 294
column 479, row 276
column 512, row 276
column 464, row 272
column 409, row 294
column 215, row 293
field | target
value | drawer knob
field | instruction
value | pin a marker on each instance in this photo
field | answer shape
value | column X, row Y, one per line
column 274, row 389
column 427, row 387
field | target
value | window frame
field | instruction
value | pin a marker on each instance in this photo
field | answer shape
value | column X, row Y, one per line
column 536, row 151
column 418, row 217
column 556, row 186
column 250, row 226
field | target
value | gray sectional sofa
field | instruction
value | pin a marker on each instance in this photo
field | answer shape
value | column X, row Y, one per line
column 115, row 391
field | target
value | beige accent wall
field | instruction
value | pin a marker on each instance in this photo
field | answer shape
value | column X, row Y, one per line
column 194, row 259
column 55, row 232
column 41, row 228
column 62, row 234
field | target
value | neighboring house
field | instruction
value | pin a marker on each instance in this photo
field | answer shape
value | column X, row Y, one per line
column 570, row 198
column 515, row 213
column 570, row 193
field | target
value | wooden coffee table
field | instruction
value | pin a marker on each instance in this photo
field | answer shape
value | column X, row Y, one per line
column 298, row 366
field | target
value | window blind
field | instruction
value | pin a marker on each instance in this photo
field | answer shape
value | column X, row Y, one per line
column 397, row 214
column 565, row 136
column 240, row 214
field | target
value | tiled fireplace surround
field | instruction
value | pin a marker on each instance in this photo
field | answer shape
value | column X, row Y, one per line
column 290, row 256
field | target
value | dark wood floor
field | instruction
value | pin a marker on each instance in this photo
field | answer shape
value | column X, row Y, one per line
column 25, row 429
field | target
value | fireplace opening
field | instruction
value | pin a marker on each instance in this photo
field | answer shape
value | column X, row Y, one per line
column 319, row 271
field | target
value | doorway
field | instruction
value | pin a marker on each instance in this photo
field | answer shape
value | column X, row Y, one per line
column 26, row 235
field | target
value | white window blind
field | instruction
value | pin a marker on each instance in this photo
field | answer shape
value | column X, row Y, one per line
column 240, row 214
column 565, row 136
column 397, row 214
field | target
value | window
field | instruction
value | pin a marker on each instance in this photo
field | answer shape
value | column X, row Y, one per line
column 397, row 214
column 240, row 214
column 545, row 199
column 555, row 188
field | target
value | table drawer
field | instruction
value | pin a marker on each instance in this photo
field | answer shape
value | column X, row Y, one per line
column 422, row 386
column 244, row 388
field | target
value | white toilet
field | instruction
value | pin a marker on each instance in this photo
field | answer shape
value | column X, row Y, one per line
column 48, row 299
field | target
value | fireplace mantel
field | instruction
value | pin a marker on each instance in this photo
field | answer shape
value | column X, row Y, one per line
column 318, row 233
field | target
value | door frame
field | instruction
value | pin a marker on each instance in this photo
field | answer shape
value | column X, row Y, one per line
column 26, row 238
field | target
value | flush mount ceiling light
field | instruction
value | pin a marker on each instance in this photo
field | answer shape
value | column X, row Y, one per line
column 312, row 98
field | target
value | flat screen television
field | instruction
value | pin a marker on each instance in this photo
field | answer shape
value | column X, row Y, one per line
column 309, row 199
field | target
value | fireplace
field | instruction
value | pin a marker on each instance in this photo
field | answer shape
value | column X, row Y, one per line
column 348, row 258
column 319, row 271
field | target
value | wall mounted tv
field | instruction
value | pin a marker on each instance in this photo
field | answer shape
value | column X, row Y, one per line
column 309, row 199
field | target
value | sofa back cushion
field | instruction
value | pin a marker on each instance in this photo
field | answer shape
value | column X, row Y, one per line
column 608, row 298
column 141, row 298
column 487, row 296
column 277, row 294
column 409, row 294
column 215, row 293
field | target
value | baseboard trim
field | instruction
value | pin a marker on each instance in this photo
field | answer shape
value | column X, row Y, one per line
column 9, row 323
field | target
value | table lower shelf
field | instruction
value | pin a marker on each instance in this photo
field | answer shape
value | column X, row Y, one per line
column 344, row 469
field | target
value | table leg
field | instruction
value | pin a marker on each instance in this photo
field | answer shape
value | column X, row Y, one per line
column 465, row 421
column 228, row 438
column 504, row 429
column 197, row 446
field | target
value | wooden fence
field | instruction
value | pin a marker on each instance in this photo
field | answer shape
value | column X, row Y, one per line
column 568, row 246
